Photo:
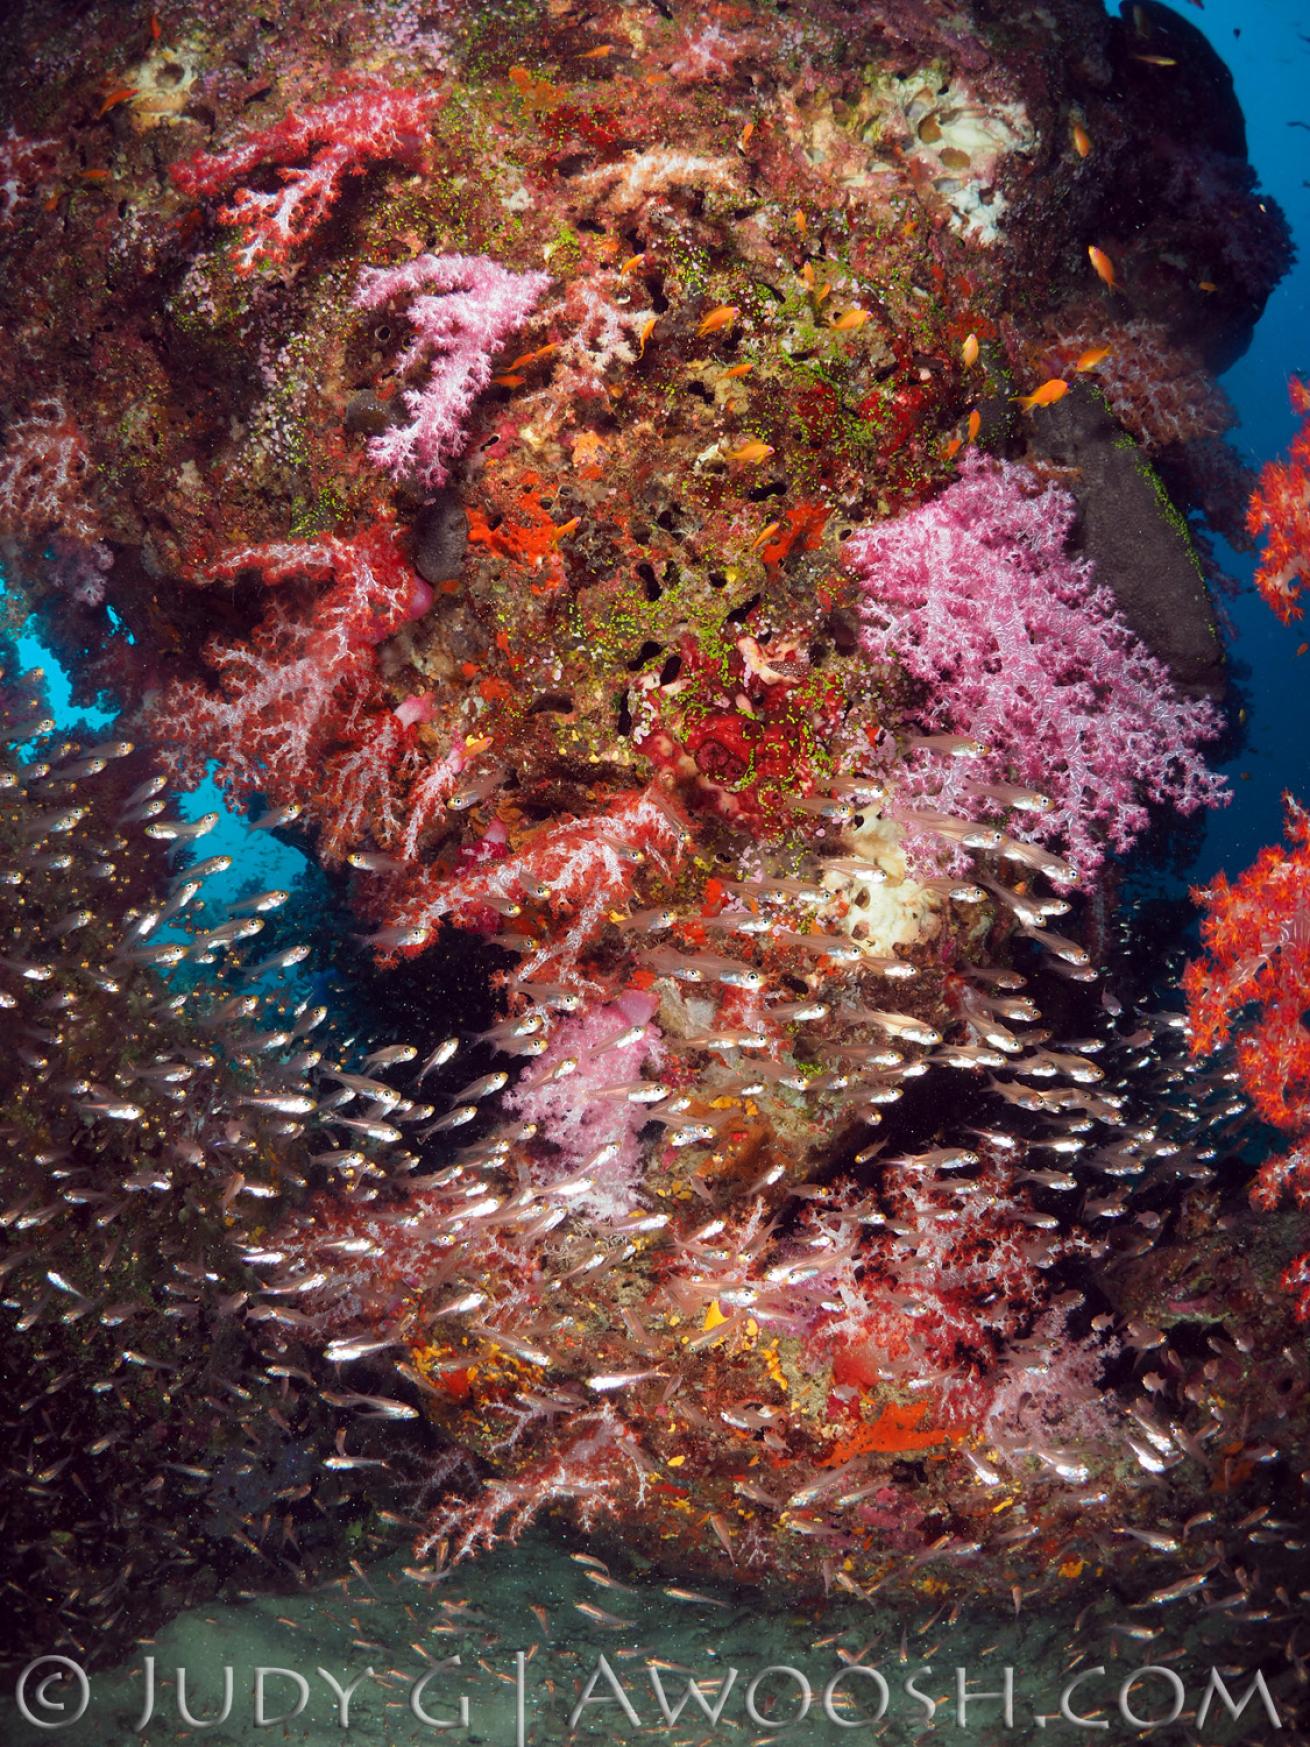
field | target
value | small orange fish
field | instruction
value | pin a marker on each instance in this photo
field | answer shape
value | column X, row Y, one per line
column 509, row 381
column 647, row 329
column 1302, row 647
column 765, row 535
column 953, row 448
column 799, row 219
column 751, row 452
column 1102, row 264
column 1206, row 285
column 1090, row 359
column 631, row 264
column 121, row 94
column 736, row 370
column 154, row 27
column 1082, row 140
column 606, row 48
column 1050, row 391
column 95, row 175
column 566, row 528
column 531, row 357
column 974, row 425
column 852, row 319
column 1156, row 60
column 822, row 293
column 718, row 319
column 969, row 350
column 744, row 138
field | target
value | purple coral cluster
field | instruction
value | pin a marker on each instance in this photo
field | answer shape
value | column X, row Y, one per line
column 976, row 598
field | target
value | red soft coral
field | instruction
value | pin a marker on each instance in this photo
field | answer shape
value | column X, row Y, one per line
column 1279, row 514
column 299, row 715
column 339, row 138
column 577, row 869
column 1257, row 938
column 1254, row 982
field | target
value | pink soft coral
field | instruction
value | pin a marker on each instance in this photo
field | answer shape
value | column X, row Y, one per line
column 1011, row 642
column 585, row 1111
column 1158, row 391
column 462, row 309
column 339, row 138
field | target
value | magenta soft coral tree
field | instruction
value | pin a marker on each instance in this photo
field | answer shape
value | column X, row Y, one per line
column 462, row 309
column 1009, row 640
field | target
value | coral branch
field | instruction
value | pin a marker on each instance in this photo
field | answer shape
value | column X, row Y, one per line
column 340, row 138
column 1279, row 514
column 462, row 309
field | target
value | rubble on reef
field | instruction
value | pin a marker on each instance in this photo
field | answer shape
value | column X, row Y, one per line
column 581, row 469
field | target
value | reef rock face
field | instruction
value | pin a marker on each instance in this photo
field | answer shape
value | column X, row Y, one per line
column 1136, row 539
column 583, row 468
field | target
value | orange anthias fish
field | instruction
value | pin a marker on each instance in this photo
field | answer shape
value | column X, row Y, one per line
column 532, row 357
column 1082, row 140
column 737, row 370
column 123, row 94
column 647, row 329
column 1090, row 359
column 974, row 425
column 1102, row 264
column 718, row 319
column 752, row 451
column 1055, row 388
column 969, row 350
column 852, row 319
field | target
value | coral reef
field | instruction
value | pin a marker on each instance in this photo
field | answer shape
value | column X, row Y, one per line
column 533, row 456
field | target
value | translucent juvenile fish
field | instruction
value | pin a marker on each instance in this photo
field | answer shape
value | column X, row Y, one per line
column 180, row 831
column 276, row 817
column 390, row 1056
column 438, row 1059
